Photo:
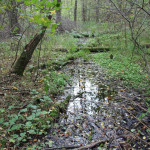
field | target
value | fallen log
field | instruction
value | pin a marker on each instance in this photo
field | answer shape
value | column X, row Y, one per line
column 94, row 49
column 147, row 45
column 91, row 49
column 56, row 65
column 58, row 109
column 61, row 49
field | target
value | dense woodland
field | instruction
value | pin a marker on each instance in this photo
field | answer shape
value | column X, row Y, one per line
column 83, row 59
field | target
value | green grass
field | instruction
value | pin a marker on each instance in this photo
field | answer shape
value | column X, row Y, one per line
column 122, row 68
column 126, row 64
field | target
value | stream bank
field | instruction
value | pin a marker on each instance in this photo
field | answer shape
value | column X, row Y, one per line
column 100, row 114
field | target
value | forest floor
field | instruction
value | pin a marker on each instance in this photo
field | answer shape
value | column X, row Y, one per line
column 80, row 101
column 102, row 113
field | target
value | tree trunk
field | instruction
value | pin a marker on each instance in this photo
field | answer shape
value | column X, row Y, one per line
column 13, row 19
column 58, row 17
column 89, row 12
column 97, row 10
column 84, row 10
column 75, row 11
column 26, row 55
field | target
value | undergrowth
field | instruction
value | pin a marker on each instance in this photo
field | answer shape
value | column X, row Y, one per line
column 27, row 106
column 27, row 113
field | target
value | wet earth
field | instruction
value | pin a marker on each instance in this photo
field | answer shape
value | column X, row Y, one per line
column 101, row 113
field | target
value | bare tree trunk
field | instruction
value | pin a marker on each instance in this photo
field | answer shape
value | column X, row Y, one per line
column 97, row 10
column 89, row 12
column 84, row 10
column 75, row 11
column 13, row 19
column 58, row 17
column 26, row 55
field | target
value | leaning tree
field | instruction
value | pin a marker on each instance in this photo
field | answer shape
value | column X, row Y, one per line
column 42, row 15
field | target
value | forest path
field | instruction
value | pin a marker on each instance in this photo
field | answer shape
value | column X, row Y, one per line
column 96, row 111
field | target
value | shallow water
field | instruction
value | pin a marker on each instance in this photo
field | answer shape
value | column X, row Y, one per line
column 95, row 111
column 87, row 106
column 87, row 90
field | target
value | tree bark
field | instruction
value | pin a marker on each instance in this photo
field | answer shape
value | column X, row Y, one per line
column 13, row 19
column 97, row 10
column 75, row 11
column 58, row 17
column 26, row 55
column 84, row 10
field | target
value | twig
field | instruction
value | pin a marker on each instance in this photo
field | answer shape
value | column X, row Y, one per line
column 63, row 147
column 91, row 145
column 134, row 103
column 136, row 117
column 131, row 133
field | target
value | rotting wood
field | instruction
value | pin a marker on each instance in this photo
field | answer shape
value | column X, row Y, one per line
column 94, row 49
column 54, row 65
column 59, row 108
column 146, row 45
column 27, row 53
column 91, row 49
column 61, row 49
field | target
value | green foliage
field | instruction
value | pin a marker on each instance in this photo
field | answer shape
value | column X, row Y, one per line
column 22, row 126
column 122, row 67
column 54, row 83
column 81, row 53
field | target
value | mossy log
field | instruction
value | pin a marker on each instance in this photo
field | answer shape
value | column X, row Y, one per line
column 91, row 49
column 52, row 66
column 94, row 49
column 61, row 49
column 83, row 35
column 58, row 109
column 146, row 45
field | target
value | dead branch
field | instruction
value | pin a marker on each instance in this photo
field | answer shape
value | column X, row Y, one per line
column 91, row 145
column 135, row 117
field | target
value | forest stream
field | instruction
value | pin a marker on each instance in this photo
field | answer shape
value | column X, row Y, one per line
column 96, row 115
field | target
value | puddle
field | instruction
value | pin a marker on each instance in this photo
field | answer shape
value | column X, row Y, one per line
column 90, row 98
column 87, row 91
column 92, row 111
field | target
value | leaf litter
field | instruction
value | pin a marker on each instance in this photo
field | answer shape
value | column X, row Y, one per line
column 102, row 113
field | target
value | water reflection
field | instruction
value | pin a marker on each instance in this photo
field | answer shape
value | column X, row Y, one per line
column 87, row 92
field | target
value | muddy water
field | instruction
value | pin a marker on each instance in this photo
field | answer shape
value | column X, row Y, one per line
column 87, row 116
column 97, row 112
column 87, row 90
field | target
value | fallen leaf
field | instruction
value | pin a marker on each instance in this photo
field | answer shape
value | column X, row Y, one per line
column 109, row 97
column 102, row 124
column 90, row 132
column 14, row 88
column 50, row 143
column 81, row 86
column 62, row 134
column 122, row 90
column 35, row 140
